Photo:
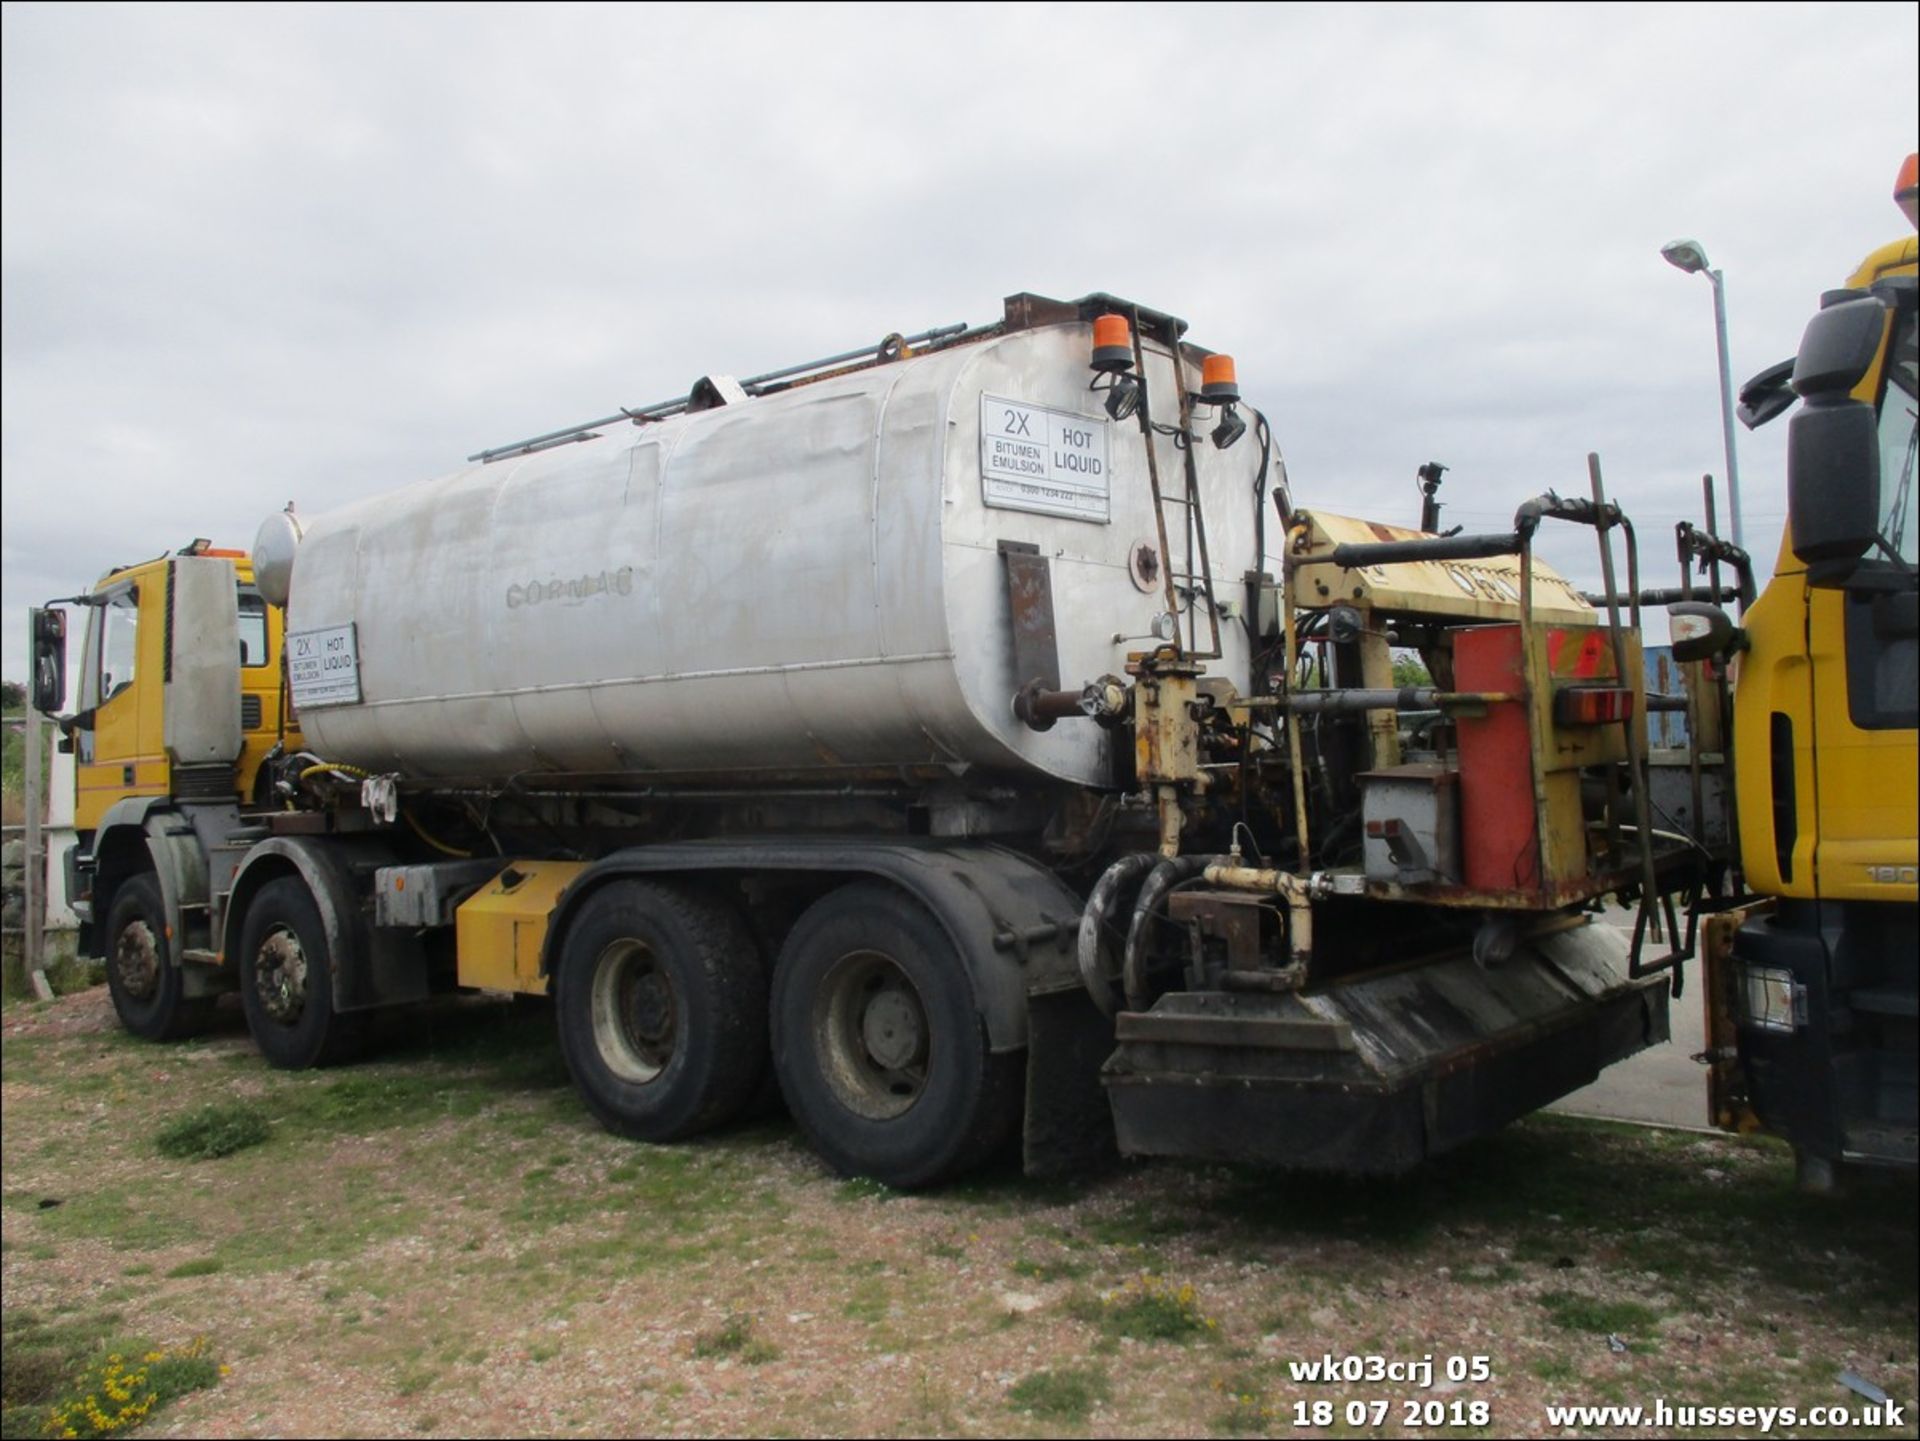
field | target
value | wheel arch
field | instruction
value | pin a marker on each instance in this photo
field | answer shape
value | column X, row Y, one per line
column 120, row 850
column 372, row 966
column 144, row 835
column 1011, row 921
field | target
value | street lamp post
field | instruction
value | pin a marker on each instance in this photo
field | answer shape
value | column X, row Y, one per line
column 1687, row 255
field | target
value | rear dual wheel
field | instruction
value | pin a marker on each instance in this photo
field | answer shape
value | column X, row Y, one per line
column 879, row 1045
column 877, row 1041
column 661, row 998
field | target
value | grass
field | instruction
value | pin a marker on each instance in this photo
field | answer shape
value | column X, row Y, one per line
column 211, row 1132
column 1147, row 1308
column 733, row 1338
column 66, row 972
column 447, row 1209
column 869, row 1301
column 1556, row 1369
column 1059, row 1269
column 1138, row 1226
column 84, row 1375
column 1248, row 1411
column 1572, row 1312
column 1066, row 1394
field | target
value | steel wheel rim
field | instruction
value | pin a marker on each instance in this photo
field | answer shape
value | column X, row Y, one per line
column 636, row 1012
column 280, row 974
column 872, row 1036
column 136, row 960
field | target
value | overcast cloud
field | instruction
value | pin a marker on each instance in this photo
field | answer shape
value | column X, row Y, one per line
column 253, row 255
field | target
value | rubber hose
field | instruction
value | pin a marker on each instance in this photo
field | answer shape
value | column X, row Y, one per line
column 1153, row 894
column 1096, row 918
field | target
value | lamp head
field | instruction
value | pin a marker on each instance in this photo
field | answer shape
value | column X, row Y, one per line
column 1684, row 255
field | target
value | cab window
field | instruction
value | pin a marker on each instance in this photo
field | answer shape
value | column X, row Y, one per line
column 253, row 629
column 120, row 623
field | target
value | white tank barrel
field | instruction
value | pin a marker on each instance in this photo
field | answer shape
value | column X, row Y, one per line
column 806, row 584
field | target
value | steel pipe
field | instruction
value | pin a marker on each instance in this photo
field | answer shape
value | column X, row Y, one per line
column 1354, row 554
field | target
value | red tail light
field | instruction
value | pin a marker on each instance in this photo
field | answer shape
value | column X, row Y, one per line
column 1592, row 705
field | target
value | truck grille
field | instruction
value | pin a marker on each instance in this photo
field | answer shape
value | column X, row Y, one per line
column 202, row 782
column 249, row 712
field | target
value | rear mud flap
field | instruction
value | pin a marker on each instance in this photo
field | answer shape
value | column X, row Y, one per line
column 1068, row 1127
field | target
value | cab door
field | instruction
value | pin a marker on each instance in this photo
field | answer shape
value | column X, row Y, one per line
column 120, row 752
column 1862, row 641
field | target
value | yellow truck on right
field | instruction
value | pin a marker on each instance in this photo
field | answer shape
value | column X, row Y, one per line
column 1812, row 998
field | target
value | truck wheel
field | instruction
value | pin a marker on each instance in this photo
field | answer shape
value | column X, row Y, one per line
column 661, row 999
column 145, row 982
column 879, row 1046
column 286, row 981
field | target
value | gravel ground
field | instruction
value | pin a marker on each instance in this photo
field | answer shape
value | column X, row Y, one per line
column 439, row 1242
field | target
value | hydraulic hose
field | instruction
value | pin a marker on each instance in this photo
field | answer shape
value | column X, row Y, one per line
column 1153, row 894
column 1097, row 917
column 336, row 767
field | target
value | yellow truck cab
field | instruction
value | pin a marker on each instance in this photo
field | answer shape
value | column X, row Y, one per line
column 119, row 738
column 1823, row 987
column 170, row 735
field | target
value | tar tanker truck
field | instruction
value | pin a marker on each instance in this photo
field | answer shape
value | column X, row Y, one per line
column 969, row 729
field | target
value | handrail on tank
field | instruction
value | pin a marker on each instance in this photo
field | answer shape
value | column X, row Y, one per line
column 890, row 348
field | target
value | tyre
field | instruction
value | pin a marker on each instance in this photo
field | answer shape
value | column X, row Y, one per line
column 661, row 1001
column 286, row 981
column 879, row 1046
column 142, row 976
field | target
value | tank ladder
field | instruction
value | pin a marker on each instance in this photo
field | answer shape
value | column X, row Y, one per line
column 1199, row 585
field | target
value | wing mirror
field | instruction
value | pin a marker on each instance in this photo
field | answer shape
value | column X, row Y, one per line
column 1833, row 446
column 49, row 628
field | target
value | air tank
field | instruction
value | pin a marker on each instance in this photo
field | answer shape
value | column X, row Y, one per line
column 806, row 585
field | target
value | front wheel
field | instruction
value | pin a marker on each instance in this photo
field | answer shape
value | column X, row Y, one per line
column 661, row 1001
column 879, row 1045
column 286, row 981
column 148, row 990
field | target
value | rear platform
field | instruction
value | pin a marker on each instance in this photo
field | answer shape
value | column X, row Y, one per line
column 1374, row 1075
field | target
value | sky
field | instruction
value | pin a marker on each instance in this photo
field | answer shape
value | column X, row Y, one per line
column 253, row 255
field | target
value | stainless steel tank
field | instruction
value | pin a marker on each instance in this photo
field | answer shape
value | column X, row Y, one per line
column 808, row 582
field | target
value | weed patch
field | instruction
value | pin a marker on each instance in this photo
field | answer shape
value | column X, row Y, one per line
column 1148, row 1309
column 204, row 1266
column 212, row 1131
column 107, row 1395
column 1062, row 1395
column 1573, row 1312
column 734, row 1338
